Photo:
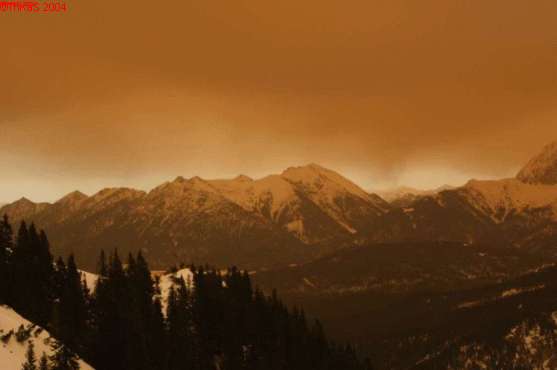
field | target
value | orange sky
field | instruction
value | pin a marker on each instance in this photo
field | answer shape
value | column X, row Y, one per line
column 394, row 92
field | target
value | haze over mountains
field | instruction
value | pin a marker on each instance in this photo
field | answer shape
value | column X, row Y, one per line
column 294, row 216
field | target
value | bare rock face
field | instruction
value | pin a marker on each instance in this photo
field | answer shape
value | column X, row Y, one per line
column 542, row 169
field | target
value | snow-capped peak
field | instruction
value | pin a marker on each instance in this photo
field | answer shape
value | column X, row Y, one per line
column 300, row 200
column 249, row 193
column 542, row 169
column 317, row 178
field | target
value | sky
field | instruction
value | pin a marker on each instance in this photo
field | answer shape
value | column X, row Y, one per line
column 386, row 92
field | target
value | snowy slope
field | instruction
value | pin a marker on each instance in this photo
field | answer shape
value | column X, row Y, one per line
column 253, row 194
column 281, row 199
column 317, row 179
column 12, row 353
column 90, row 279
column 167, row 280
column 500, row 197
column 339, row 198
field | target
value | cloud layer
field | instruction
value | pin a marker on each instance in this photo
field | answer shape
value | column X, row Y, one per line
column 387, row 92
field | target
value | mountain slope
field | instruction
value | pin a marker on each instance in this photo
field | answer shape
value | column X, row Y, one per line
column 520, row 212
column 23, row 208
column 311, row 202
column 542, row 169
column 414, row 305
column 503, row 211
column 12, row 351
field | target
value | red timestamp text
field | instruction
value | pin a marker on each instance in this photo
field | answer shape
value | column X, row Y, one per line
column 33, row 7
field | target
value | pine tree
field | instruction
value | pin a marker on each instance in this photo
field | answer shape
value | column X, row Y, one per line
column 63, row 358
column 217, row 320
column 6, row 246
column 101, row 265
column 180, row 336
column 30, row 360
column 39, row 309
column 59, row 277
column 20, row 264
column 113, row 329
column 6, row 236
column 72, row 328
column 148, row 314
column 44, row 275
column 43, row 364
column 32, row 272
column 140, row 301
column 59, row 280
column 158, row 338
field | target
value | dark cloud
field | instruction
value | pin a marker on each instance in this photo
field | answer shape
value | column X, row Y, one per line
column 133, row 92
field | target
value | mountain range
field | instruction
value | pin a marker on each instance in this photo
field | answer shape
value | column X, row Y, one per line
column 295, row 216
column 417, row 279
column 253, row 223
column 463, row 279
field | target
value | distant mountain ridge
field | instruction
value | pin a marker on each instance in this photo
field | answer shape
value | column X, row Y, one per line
column 292, row 217
column 404, row 195
column 255, row 223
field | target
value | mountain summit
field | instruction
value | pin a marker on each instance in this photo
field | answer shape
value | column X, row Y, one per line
column 542, row 169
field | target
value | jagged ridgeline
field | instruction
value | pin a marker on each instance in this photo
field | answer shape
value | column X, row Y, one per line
column 127, row 320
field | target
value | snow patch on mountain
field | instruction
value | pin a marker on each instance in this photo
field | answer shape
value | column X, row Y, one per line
column 499, row 197
column 168, row 280
column 12, row 352
column 332, row 192
column 515, row 291
column 279, row 197
column 321, row 180
column 272, row 190
column 90, row 279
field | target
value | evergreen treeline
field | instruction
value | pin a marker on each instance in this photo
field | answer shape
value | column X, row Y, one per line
column 216, row 321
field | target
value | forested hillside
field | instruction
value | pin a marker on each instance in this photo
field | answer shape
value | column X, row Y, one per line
column 216, row 320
